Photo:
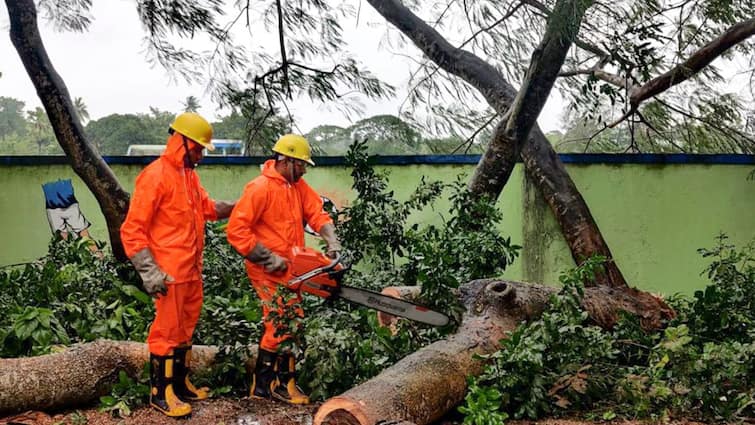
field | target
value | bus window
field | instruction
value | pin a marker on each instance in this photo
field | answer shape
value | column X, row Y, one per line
column 145, row 150
column 227, row 147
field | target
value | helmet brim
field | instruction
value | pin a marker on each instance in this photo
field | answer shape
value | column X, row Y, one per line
column 209, row 146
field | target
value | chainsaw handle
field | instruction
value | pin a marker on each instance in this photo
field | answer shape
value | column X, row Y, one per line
column 333, row 263
column 316, row 272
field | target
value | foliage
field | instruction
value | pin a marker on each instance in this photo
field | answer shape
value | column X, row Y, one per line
column 126, row 394
column 66, row 297
column 585, row 135
column 257, row 127
column 386, row 248
column 702, row 366
column 387, row 135
column 112, row 134
column 237, row 74
column 726, row 308
column 482, row 405
column 12, row 120
column 468, row 246
column 40, row 135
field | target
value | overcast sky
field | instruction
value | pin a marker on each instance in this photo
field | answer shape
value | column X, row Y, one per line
column 107, row 68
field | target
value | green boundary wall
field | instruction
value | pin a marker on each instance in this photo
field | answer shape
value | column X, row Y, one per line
column 654, row 211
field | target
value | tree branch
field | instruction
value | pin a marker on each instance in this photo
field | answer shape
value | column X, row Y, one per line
column 282, row 42
column 699, row 60
column 600, row 74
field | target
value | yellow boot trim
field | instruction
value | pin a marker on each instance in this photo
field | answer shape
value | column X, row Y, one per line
column 201, row 393
column 169, row 367
column 177, row 407
column 294, row 396
column 297, row 397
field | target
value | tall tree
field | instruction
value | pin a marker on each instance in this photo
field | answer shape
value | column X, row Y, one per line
column 52, row 91
column 112, row 134
column 39, row 128
column 81, row 109
column 11, row 117
column 191, row 104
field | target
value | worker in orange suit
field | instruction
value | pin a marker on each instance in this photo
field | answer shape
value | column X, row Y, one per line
column 266, row 225
column 163, row 235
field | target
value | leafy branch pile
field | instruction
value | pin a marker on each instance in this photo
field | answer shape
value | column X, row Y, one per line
column 702, row 365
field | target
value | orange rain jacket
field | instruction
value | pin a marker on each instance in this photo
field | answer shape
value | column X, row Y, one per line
column 273, row 211
column 168, row 211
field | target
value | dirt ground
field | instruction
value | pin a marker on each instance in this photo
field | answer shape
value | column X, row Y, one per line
column 226, row 411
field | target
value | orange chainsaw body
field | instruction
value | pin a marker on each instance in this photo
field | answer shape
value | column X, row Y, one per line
column 306, row 260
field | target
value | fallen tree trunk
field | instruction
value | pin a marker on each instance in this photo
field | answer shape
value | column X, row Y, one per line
column 79, row 374
column 425, row 385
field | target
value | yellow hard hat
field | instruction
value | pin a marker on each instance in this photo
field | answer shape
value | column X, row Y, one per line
column 294, row 146
column 196, row 128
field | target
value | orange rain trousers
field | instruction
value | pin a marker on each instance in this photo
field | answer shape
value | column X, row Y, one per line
column 176, row 316
column 274, row 335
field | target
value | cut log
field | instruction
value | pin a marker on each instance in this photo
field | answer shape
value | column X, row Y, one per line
column 425, row 385
column 79, row 374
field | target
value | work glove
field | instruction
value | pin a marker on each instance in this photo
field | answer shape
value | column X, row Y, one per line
column 261, row 255
column 223, row 209
column 152, row 276
column 328, row 233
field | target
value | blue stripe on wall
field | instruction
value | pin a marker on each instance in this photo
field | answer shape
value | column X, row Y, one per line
column 569, row 158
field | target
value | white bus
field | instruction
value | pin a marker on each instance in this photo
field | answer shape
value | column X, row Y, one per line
column 145, row 150
column 223, row 147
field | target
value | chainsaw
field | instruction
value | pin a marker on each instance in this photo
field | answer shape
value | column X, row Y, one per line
column 314, row 273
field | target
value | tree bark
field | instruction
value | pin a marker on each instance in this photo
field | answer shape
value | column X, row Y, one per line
column 540, row 160
column 52, row 91
column 80, row 374
column 425, row 385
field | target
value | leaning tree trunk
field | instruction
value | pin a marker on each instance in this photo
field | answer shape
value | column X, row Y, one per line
column 79, row 374
column 52, row 91
column 425, row 385
column 540, row 160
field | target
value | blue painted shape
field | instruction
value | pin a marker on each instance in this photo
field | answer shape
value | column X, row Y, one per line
column 59, row 194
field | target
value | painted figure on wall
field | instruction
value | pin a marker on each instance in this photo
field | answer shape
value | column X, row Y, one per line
column 63, row 212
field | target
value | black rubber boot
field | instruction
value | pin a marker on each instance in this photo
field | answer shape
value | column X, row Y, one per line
column 183, row 387
column 162, row 396
column 264, row 374
column 285, row 388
